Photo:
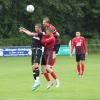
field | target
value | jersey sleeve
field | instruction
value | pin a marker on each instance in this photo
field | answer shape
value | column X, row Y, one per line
column 72, row 45
column 52, row 28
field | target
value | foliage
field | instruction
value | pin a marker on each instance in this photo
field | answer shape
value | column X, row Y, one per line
column 67, row 15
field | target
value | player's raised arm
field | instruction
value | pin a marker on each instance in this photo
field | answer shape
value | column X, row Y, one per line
column 24, row 30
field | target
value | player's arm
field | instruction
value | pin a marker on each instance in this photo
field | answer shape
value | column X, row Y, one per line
column 55, row 31
column 48, row 40
column 57, row 34
column 85, row 46
column 24, row 30
column 72, row 47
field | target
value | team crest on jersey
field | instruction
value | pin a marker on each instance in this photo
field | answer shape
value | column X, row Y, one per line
column 79, row 43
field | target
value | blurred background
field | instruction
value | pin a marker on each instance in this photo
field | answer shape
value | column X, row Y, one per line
column 68, row 16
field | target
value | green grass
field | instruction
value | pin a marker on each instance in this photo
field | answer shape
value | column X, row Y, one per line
column 16, row 80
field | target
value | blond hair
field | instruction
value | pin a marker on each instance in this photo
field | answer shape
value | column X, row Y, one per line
column 46, row 19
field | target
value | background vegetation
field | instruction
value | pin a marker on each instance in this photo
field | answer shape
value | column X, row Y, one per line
column 67, row 15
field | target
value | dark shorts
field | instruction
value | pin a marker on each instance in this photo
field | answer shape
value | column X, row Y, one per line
column 36, row 55
column 47, row 58
column 80, row 57
column 56, row 48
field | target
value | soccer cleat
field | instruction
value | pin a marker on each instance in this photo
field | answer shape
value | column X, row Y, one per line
column 49, row 84
column 35, row 86
column 57, row 83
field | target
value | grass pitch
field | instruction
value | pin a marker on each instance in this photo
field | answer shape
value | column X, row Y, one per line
column 16, row 80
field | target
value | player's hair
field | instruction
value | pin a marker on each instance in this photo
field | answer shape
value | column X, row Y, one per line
column 78, row 32
column 46, row 19
column 39, row 25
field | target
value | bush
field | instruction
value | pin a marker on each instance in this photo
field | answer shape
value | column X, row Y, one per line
column 20, row 41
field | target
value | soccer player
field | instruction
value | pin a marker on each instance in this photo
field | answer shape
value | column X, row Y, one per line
column 47, row 24
column 48, row 41
column 36, row 52
column 81, row 50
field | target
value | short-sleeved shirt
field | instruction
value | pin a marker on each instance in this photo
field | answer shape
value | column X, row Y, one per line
column 57, row 41
column 79, row 44
column 36, row 40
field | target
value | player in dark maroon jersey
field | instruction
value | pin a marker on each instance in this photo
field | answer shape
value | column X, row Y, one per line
column 48, row 40
column 47, row 24
column 81, row 50
column 36, row 52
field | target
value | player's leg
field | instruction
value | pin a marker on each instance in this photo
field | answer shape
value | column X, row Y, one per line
column 82, row 64
column 51, row 71
column 44, row 70
column 78, row 68
column 35, row 68
column 78, row 64
column 53, row 59
column 82, row 67
column 53, row 74
column 56, row 50
column 47, row 77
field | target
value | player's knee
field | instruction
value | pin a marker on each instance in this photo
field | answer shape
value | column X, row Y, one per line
column 43, row 69
column 78, row 63
column 34, row 66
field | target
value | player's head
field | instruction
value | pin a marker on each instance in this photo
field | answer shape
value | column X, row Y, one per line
column 38, row 27
column 78, row 34
column 49, row 32
column 46, row 21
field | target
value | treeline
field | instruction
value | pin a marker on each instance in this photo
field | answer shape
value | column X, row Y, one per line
column 67, row 15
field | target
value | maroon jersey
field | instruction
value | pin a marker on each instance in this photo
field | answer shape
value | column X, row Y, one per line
column 54, row 33
column 79, row 44
column 48, row 43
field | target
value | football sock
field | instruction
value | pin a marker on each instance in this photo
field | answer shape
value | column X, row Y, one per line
column 47, row 76
column 78, row 68
column 82, row 69
column 36, row 73
column 53, row 75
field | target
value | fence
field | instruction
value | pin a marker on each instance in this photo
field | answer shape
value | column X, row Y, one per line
column 26, row 50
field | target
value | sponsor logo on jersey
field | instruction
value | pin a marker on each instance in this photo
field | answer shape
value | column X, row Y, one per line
column 37, row 38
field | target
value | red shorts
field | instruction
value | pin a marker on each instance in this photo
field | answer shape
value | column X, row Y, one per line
column 47, row 58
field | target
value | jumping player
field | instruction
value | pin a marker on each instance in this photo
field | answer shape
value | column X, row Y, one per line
column 81, row 50
column 36, row 52
column 48, row 41
column 47, row 24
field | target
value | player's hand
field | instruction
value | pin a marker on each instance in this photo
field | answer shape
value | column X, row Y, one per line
column 71, row 55
column 86, row 53
column 22, row 29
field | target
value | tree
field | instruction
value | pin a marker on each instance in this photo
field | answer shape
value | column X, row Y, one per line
column 67, row 15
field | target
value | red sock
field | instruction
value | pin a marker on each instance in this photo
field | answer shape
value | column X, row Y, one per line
column 78, row 68
column 82, row 69
column 53, row 75
column 47, row 76
column 53, row 61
